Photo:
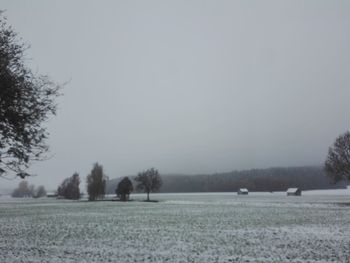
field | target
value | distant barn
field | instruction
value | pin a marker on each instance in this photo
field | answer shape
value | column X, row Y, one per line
column 242, row 191
column 294, row 191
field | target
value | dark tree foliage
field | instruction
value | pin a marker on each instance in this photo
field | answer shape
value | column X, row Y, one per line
column 69, row 189
column 26, row 102
column 124, row 189
column 262, row 180
column 149, row 181
column 96, row 183
column 337, row 164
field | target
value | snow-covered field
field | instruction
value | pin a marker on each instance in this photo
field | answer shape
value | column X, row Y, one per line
column 216, row 227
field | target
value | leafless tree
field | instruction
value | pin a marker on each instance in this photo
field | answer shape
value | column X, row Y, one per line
column 149, row 181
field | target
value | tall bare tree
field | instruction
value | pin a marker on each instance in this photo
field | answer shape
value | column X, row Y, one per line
column 337, row 164
column 27, row 100
column 96, row 183
column 149, row 181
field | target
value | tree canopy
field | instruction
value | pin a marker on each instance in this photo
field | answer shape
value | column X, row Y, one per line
column 149, row 181
column 69, row 189
column 337, row 164
column 96, row 183
column 124, row 189
column 26, row 101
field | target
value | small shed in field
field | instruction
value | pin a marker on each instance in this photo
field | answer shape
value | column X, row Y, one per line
column 294, row 191
column 242, row 191
column 52, row 195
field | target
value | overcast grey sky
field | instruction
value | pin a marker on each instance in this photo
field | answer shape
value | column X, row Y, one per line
column 188, row 86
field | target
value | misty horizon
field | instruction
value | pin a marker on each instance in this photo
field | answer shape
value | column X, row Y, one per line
column 187, row 87
column 30, row 180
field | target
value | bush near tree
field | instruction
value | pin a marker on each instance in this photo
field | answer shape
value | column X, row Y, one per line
column 124, row 189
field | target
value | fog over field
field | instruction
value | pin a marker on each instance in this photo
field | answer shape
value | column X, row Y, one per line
column 188, row 86
column 175, row 131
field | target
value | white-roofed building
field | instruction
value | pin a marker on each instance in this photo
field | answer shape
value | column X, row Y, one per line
column 242, row 191
column 294, row 191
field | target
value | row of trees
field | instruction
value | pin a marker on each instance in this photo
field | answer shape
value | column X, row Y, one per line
column 262, row 180
column 96, row 183
column 27, row 100
column 147, row 181
column 337, row 167
column 25, row 190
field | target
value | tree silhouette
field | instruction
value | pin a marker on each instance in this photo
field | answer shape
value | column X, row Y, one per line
column 337, row 164
column 26, row 102
column 149, row 181
column 96, row 183
column 124, row 189
column 69, row 189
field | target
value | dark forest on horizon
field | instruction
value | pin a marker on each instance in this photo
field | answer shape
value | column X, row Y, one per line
column 267, row 180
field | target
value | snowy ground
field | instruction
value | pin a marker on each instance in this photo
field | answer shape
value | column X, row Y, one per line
column 216, row 227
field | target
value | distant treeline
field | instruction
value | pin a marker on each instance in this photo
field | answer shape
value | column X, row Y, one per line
column 270, row 179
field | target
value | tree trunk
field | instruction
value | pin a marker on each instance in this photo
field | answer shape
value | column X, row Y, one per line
column 147, row 196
